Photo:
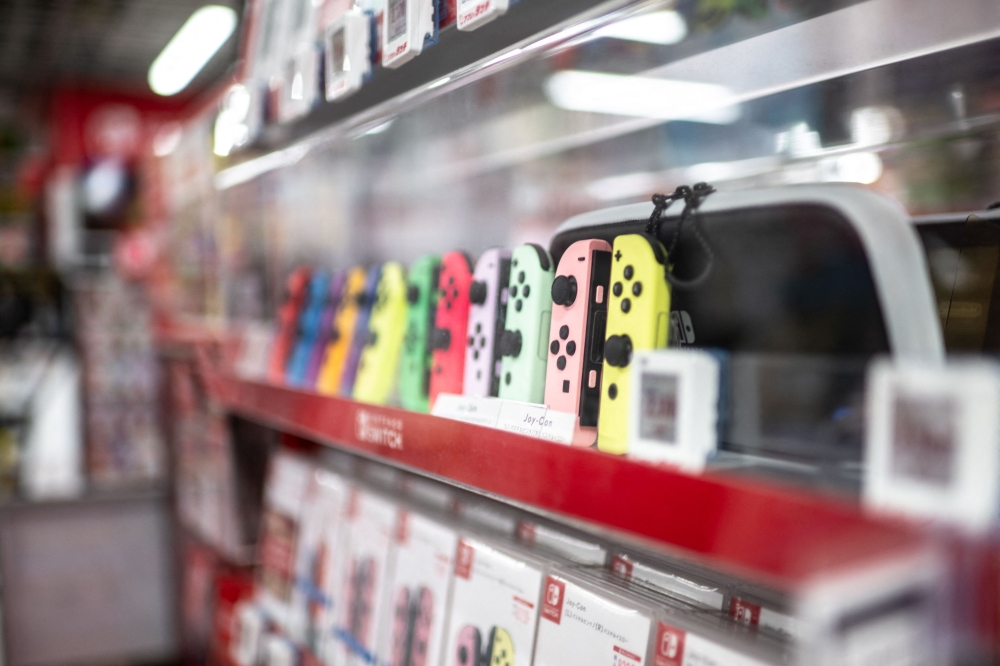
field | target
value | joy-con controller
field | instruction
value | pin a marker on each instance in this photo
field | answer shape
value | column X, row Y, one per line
column 469, row 647
column 576, row 337
column 415, row 363
column 362, row 599
column 401, row 629
column 451, row 323
column 487, row 303
column 341, row 333
column 638, row 318
column 365, row 302
column 423, row 622
column 312, row 310
column 315, row 362
column 287, row 325
column 524, row 344
column 500, row 651
column 379, row 361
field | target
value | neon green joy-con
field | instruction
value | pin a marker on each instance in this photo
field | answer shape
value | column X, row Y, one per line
column 379, row 363
column 524, row 345
column 638, row 318
column 415, row 363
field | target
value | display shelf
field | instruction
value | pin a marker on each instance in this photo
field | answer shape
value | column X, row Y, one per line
column 773, row 535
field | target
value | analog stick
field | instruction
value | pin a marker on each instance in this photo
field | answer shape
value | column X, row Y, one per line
column 440, row 338
column 413, row 293
column 477, row 293
column 618, row 350
column 564, row 290
column 510, row 343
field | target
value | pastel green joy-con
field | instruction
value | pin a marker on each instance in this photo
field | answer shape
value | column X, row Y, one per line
column 379, row 364
column 415, row 363
column 525, row 340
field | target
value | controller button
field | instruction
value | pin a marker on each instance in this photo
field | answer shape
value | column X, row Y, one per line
column 520, row 276
column 472, row 341
column 518, row 304
column 599, row 294
column 637, row 288
column 554, row 347
column 592, row 379
column 475, row 357
column 513, row 291
column 440, row 338
column 413, row 293
column 564, row 290
column 613, row 391
column 626, row 305
column 507, row 379
column 618, row 350
column 571, row 347
column 447, row 305
column 510, row 343
column 565, row 386
column 451, row 279
column 477, row 292
column 564, row 331
column 561, row 362
column 444, row 293
column 482, row 341
column 454, row 293
column 526, row 291
column 617, row 289
column 479, row 327
column 629, row 272
column 463, row 655
column 618, row 255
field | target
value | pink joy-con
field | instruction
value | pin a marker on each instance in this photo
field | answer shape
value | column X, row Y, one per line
column 487, row 306
column 468, row 649
column 401, row 629
column 576, row 335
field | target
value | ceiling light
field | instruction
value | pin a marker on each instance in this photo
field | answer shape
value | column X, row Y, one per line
column 191, row 48
column 664, row 27
column 642, row 96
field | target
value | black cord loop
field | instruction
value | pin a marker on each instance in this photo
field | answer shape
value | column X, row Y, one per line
column 693, row 198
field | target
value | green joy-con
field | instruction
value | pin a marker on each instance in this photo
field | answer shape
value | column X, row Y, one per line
column 415, row 364
column 525, row 340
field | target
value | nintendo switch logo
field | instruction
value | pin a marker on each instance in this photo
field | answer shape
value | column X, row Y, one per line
column 552, row 603
column 744, row 613
column 463, row 560
column 526, row 532
column 621, row 567
column 669, row 646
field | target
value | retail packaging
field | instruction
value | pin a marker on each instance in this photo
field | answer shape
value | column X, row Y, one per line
column 674, row 646
column 407, row 27
column 748, row 613
column 347, row 51
column 284, row 498
column 419, row 592
column 584, row 623
column 558, row 542
column 247, row 634
column 299, row 64
column 629, row 569
column 321, row 533
column 279, row 651
column 369, row 556
column 495, row 602
column 474, row 13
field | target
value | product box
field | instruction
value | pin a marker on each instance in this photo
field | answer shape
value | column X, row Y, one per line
column 284, row 497
column 495, row 601
column 557, row 542
column 629, row 569
column 673, row 646
column 583, row 623
column 279, row 651
column 368, row 557
column 419, row 592
column 317, row 556
column 247, row 634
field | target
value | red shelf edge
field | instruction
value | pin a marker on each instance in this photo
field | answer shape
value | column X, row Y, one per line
column 776, row 535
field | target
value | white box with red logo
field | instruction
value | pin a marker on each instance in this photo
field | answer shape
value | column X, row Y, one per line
column 674, row 646
column 562, row 544
column 284, row 498
column 419, row 592
column 630, row 570
column 361, row 597
column 583, row 623
column 318, row 556
column 495, row 602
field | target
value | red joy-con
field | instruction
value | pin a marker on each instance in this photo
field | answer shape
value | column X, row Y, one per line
column 448, row 336
column 576, row 335
column 423, row 622
column 288, row 324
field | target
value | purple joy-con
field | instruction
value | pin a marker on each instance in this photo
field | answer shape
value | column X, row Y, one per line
column 488, row 304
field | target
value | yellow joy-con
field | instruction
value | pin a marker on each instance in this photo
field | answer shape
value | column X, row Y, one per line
column 501, row 648
column 379, row 363
column 328, row 380
column 638, row 318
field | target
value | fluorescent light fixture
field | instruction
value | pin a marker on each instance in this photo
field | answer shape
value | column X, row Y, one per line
column 664, row 27
column 644, row 97
column 191, row 48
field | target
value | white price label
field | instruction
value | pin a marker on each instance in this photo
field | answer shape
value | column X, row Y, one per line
column 523, row 418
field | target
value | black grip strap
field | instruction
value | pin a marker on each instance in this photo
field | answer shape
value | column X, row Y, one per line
column 693, row 197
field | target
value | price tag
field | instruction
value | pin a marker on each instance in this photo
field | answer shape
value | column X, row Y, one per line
column 523, row 418
column 477, row 411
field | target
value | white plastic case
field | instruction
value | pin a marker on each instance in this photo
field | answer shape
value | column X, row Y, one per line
column 420, row 589
column 582, row 623
column 299, row 62
column 495, row 602
column 322, row 529
column 348, row 54
column 474, row 13
column 571, row 548
column 369, row 554
column 284, row 497
column 405, row 26
column 629, row 569
column 674, row 416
